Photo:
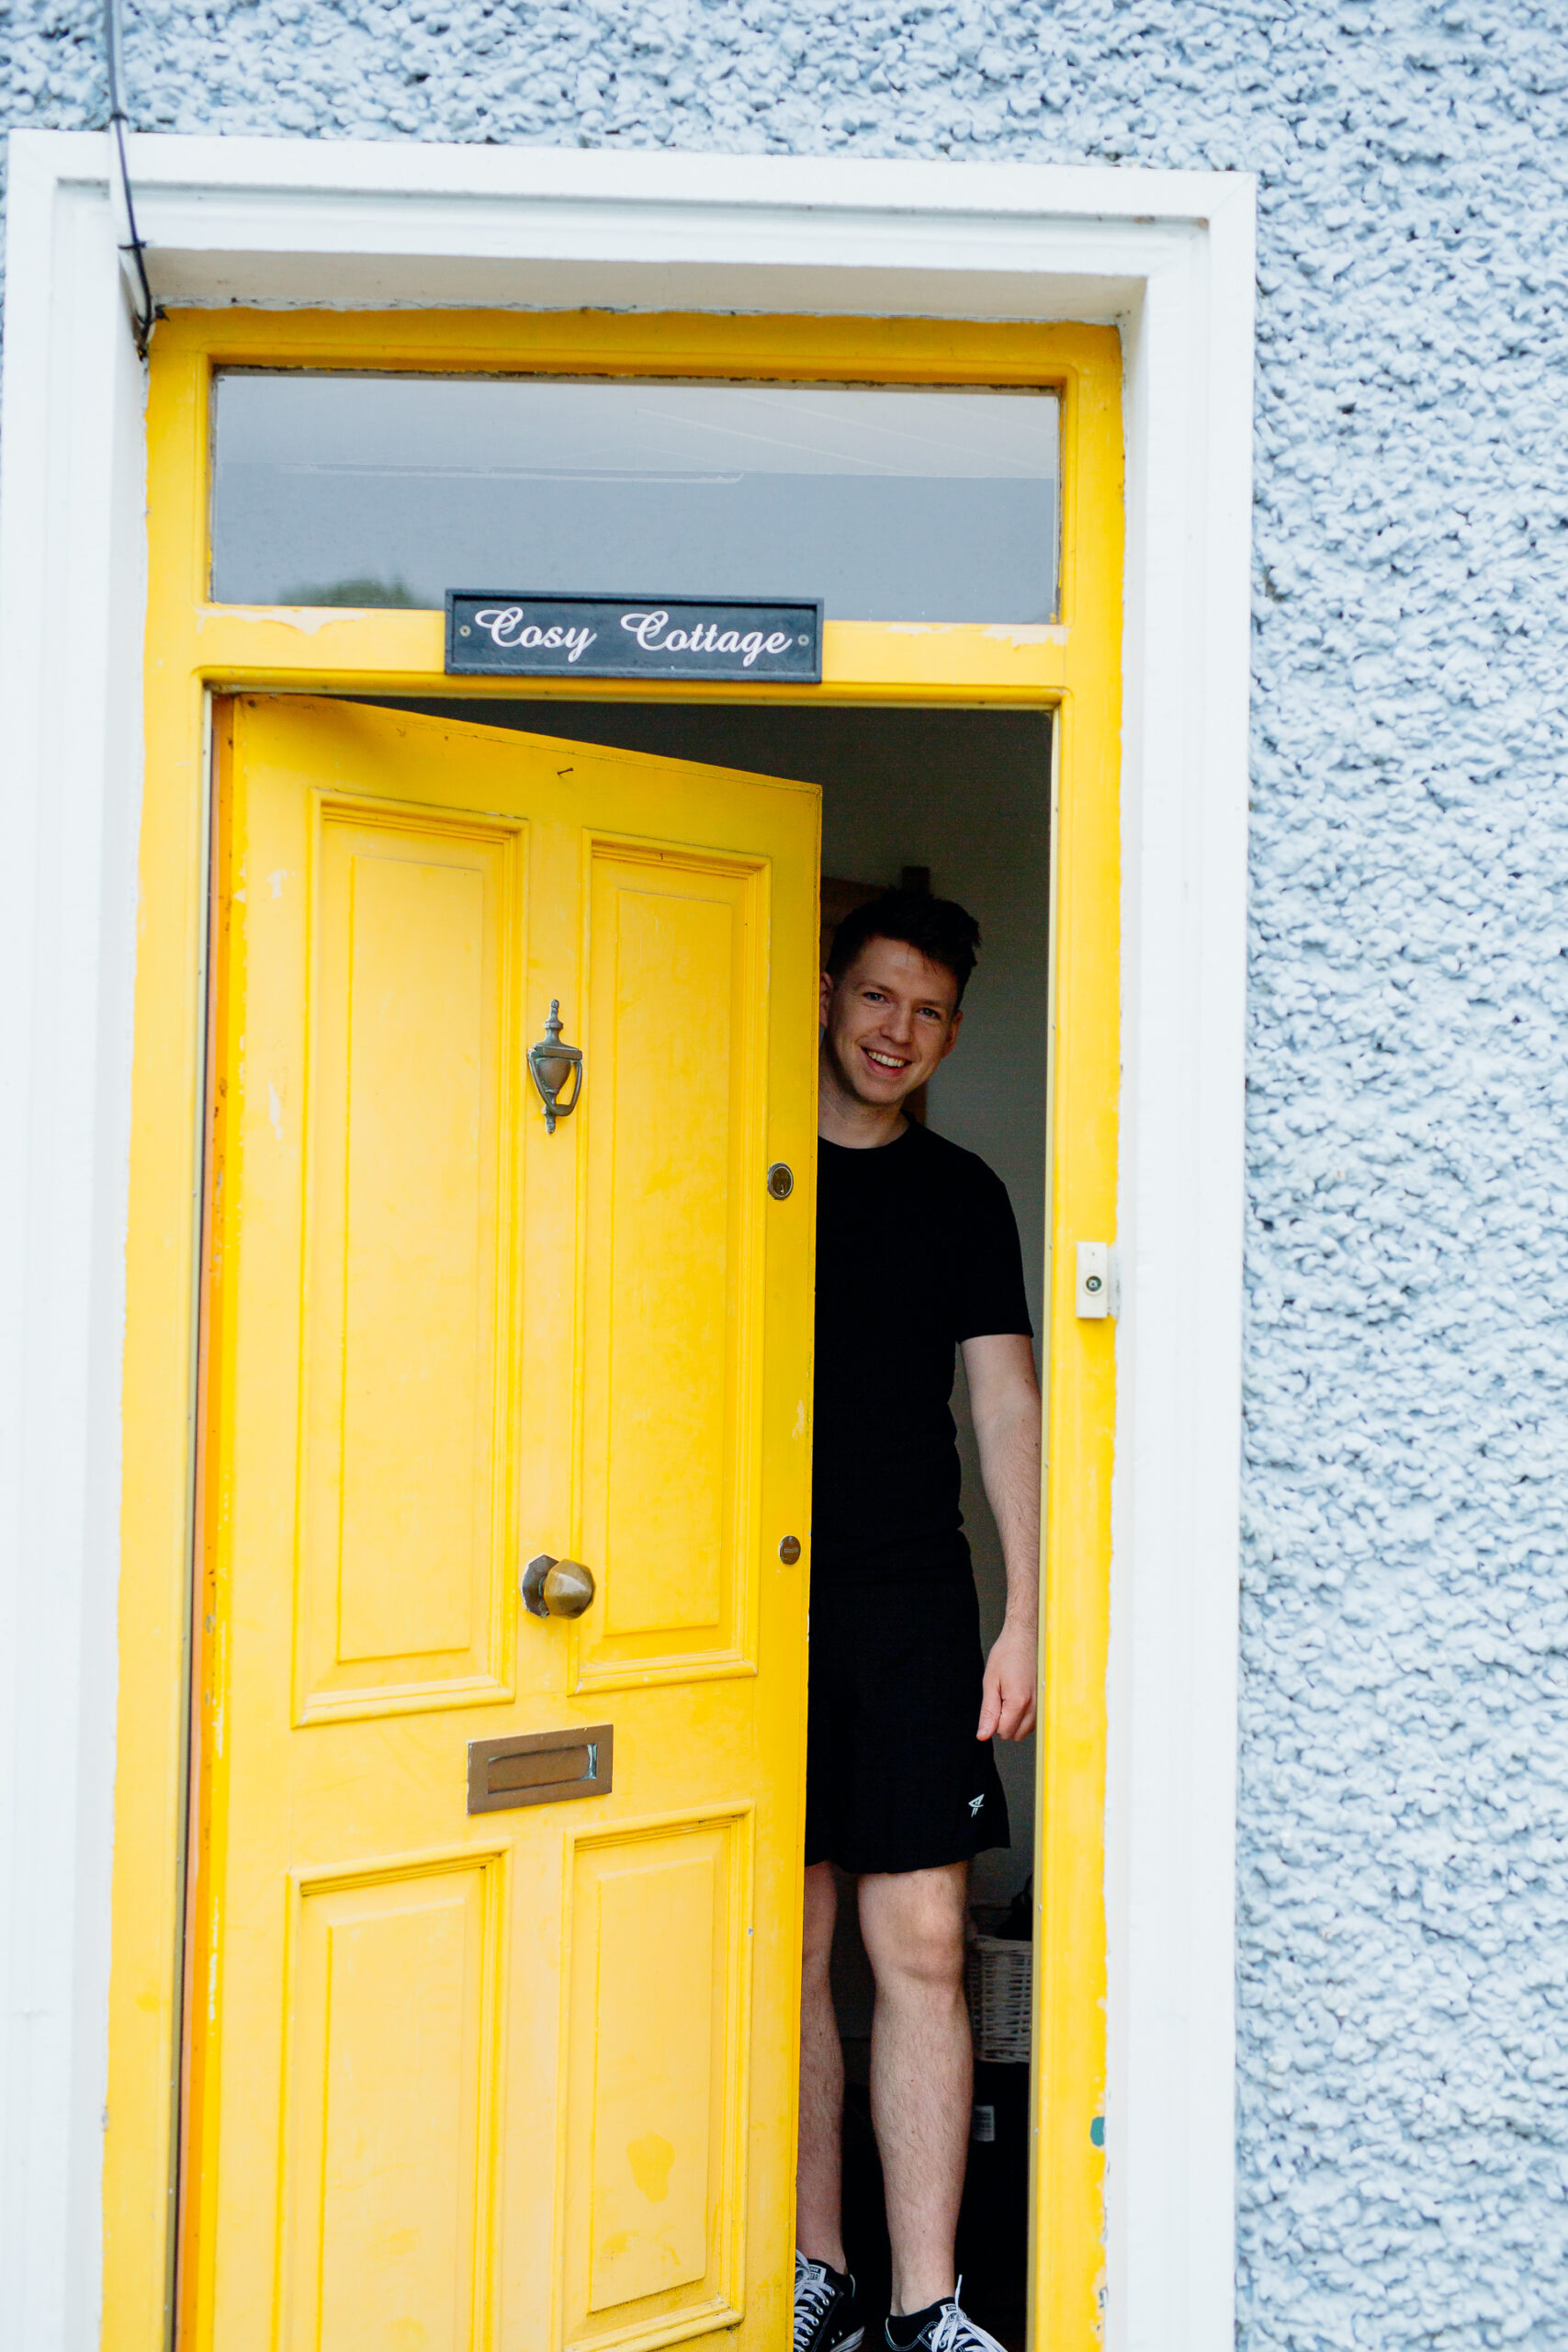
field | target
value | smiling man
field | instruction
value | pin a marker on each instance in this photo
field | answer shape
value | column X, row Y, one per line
column 917, row 1256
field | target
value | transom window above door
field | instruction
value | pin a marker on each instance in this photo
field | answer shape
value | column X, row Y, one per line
column 892, row 503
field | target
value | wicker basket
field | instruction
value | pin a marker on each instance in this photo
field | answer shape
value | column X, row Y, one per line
column 999, row 1973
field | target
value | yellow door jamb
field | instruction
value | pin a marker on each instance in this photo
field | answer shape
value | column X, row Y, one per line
column 193, row 649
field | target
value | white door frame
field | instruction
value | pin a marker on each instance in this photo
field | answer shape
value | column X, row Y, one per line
column 1168, row 258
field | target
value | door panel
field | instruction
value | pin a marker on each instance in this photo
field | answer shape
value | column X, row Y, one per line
column 660, row 1928
column 522, row 2079
column 411, row 1228
column 679, row 1004
column 391, row 2087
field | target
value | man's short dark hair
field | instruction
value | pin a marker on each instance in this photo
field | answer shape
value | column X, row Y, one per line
column 939, row 929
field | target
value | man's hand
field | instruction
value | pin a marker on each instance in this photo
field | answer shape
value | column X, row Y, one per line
column 1007, row 1707
column 1004, row 1397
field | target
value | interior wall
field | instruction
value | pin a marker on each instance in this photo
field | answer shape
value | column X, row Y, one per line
column 965, row 793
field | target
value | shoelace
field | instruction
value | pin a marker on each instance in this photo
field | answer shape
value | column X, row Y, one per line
column 955, row 2331
column 812, row 2296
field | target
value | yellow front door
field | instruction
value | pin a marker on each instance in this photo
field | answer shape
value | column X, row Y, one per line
column 492, row 2044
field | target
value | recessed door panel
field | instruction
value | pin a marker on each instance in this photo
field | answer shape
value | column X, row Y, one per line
column 410, row 1238
column 677, row 956
column 480, row 2081
column 656, row 1994
column 391, row 2094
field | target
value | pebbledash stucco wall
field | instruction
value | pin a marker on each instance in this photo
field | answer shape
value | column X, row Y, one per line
column 1403, row 1897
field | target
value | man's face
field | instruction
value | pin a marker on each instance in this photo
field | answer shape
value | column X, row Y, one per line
column 888, row 1021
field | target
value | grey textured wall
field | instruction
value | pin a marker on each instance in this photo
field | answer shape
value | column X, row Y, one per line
column 1403, row 2130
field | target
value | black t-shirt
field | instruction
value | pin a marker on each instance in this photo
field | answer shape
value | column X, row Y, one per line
column 917, row 1250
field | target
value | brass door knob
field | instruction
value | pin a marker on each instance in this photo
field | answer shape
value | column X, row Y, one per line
column 556, row 1588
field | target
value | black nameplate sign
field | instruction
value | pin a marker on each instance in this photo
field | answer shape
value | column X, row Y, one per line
column 743, row 643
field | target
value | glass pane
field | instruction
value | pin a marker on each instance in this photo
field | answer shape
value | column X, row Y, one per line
column 890, row 504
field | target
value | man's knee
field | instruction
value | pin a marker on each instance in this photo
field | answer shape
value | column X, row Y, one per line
column 912, row 1924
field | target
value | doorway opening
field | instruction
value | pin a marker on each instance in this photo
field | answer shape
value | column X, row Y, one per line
column 275, row 673
column 956, row 801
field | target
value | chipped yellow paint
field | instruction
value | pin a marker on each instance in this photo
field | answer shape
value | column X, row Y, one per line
column 650, row 2159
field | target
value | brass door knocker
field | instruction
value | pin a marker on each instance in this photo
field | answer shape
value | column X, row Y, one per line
column 552, row 1064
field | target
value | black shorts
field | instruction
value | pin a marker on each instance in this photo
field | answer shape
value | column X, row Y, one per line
column 895, row 1777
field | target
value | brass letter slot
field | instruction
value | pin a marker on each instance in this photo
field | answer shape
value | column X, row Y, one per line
column 539, row 1767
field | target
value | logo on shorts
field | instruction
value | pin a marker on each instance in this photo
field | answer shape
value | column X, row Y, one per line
column 976, row 1803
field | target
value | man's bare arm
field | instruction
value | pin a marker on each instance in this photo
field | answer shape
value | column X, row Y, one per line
column 1004, row 1399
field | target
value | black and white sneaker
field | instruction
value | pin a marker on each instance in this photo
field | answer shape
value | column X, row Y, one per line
column 827, row 2312
column 945, row 2328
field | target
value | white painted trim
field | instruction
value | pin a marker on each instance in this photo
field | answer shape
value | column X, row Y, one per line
column 1171, row 1784
column 1167, row 256
column 71, row 545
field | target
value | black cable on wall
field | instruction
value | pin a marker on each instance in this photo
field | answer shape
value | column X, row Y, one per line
column 114, row 38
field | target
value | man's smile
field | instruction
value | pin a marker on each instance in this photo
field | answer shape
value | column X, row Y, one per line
column 886, row 1024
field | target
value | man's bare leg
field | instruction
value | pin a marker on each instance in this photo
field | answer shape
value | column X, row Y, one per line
column 922, row 2069
column 820, row 2174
